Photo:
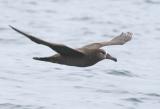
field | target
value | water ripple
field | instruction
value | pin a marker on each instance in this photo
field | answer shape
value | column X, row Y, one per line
column 153, row 94
column 153, row 1
column 134, row 100
column 84, row 18
column 10, row 79
column 10, row 41
column 17, row 106
column 120, row 73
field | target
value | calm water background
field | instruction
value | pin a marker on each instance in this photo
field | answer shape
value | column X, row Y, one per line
column 131, row 83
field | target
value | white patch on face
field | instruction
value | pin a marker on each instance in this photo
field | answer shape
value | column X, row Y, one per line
column 102, row 55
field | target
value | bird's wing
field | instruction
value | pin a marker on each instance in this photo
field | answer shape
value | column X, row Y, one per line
column 118, row 40
column 61, row 49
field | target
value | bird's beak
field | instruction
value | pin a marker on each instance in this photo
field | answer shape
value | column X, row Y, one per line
column 108, row 56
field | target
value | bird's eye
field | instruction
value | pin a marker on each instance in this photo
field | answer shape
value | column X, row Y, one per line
column 103, row 52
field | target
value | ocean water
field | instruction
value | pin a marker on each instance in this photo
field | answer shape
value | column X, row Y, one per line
column 131, row 83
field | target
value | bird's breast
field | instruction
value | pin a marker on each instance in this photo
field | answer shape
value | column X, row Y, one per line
column 77, row 61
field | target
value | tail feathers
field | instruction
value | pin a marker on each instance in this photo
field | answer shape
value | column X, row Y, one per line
column 42, row 58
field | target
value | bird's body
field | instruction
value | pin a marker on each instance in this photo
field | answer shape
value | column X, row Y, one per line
column 90, row 58
column 82, row 57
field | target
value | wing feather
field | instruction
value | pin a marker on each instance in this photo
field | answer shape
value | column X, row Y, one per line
column 60, row 48
column 118, row 40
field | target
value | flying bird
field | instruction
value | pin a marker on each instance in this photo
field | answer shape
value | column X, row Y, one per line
column 85, row 56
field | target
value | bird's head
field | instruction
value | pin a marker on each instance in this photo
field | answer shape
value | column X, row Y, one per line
column 103, row 55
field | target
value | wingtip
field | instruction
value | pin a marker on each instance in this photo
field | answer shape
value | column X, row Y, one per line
column 15, row 29
column 11, row 27
column 130, row 35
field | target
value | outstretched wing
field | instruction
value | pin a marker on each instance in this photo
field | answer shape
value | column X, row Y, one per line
column 118, row 40
column 61, row 49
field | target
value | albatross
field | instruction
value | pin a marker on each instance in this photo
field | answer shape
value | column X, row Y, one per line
column 85, row 56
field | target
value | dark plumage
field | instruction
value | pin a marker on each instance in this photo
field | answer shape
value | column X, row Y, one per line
column 82, row 57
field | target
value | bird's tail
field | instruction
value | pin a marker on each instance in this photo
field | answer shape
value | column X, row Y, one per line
column 42, row 58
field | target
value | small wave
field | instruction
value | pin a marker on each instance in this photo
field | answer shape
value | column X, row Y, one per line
column 33, row 3
column 121, row 73
column 17, row 106
column 30, row 11
column 3, row 29
column 50, row 11
column 84, row 18
column 134, row 100
column 87, row 31
column 153, row 94
column 10, row 79
column 10, row 41
column 153, row 1
column 103, row 91
column 112, row 91
column 55, row 1
column 57, row 68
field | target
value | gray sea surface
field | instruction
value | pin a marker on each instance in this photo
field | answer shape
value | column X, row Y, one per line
column 131, row 83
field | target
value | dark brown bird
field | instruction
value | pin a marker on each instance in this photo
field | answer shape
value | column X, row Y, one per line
column 82, row 57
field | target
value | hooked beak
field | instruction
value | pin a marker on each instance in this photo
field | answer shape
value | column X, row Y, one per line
column 108, row 56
